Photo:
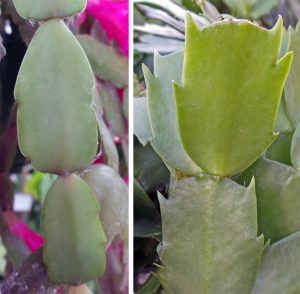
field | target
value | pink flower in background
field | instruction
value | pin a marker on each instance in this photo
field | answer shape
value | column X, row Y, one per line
column 113, row 18
column 31, row 239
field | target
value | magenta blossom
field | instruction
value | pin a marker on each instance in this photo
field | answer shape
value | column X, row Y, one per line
column 113, row 18
column 31, row 239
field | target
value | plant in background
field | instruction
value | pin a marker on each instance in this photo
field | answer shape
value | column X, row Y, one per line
column 64, row 112
column 229, row 223
column 62, row 143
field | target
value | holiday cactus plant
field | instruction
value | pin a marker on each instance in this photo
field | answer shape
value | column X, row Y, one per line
column 58, row 134
column 213, row 112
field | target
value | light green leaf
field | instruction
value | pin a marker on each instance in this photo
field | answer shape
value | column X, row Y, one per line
column 106, row 61
column 74, row 249
column 282, row 121
column 209, row 241
column 240, row 7
column 292, row 86
column 112, row 194
column 280, row 150
column 162, row 112
column 263, row 7
column 278, row 203
column 141, row 124
column 280, row 268
column 57, row 127
column 295, row 149
column 108, row 144
column 39, row 10
column 228, row 103
column 112, row 109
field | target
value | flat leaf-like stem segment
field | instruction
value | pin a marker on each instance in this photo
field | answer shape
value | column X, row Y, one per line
column 280, row 268
column 295, row 149
column 38, row 10
column 141, row 127
column 74, row 249
column 57, row 127
column 232, row 83
column 107, row 62
column 278, row 202
column 112, row 193
column 209, row 233
column 162, row 112
column 292, row 86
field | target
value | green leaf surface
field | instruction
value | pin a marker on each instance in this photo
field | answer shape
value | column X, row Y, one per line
column 112, row 109
column 110, row 149
column 146, row 216
column 112, row 194
column 280, row 150
column 149, row 169
column 295, row 149
column 162, row 112
column 141, row 124
column 240, row 7
column 283, row 123
column 38, row 10
column 210, row 242
column 106, row 61
column 57, row 128
column 150, row 287
column 227, row 117
column 292, row 86
column 74, row 249
column 280, row 268
column 263, row 7
column 278, row 202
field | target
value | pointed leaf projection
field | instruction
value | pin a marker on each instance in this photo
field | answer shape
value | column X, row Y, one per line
column 292, row 86
column 57, row 127
column 278, row 202
column 210, row 242
column 112, row 194
column 141, row 124
column 162, row 112
column 46, row 9
column 231, row 90
column 74, row 249
column 280, row 268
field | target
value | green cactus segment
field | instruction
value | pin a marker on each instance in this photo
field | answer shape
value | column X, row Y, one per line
column 162, row 112
column 209, row 228
column 280, row 268
column 277, row 191
column 57, row 127
column 295, row 149
column 232, row 83
column 74, row 249
column 107, row 62
column 112, row 193
column 292, row 86
column 38, row 10
column 280, row 150
column 141, row 127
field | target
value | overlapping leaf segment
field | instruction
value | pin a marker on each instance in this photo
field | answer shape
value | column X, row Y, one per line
column 57, row 132
column 218, row 116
